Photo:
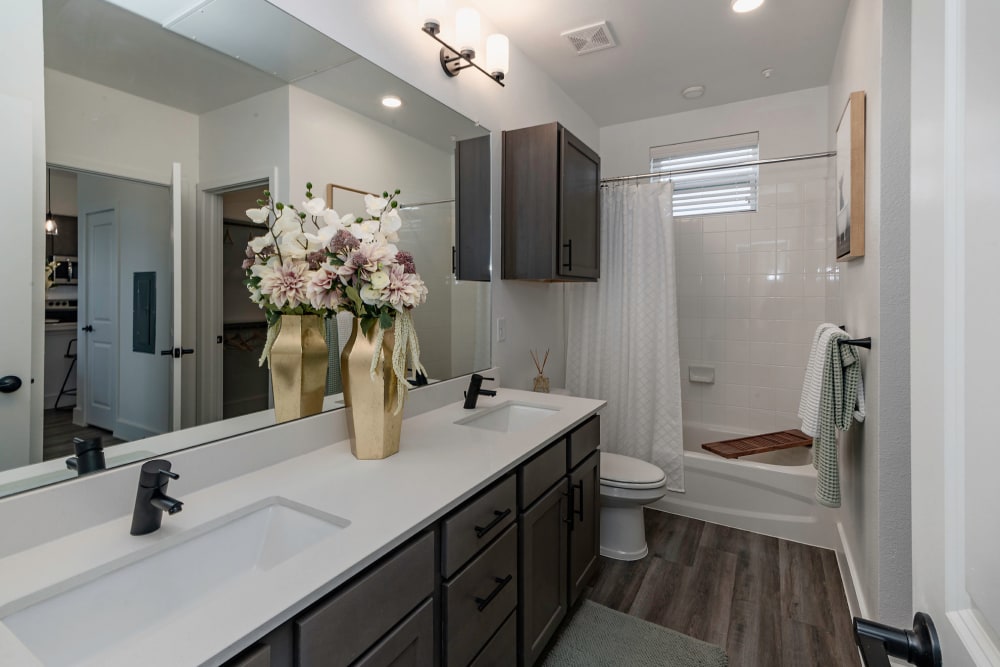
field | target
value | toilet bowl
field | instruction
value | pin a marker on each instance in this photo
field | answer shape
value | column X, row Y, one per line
column 626, row 485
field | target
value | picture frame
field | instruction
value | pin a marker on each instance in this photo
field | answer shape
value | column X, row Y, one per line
column 849, row 195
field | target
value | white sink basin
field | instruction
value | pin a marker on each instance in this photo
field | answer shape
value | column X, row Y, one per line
column 74, row 621
column 508, row 417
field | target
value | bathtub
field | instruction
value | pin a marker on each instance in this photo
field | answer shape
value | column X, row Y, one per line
column 771, row 493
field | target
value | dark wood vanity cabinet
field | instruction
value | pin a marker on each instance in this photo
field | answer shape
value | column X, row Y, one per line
column 551, row 205
column 585, row 526
column 471, row 253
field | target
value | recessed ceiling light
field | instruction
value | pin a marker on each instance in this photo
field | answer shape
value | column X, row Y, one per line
column 743, row 6
column 391, row 101
column 693, row 92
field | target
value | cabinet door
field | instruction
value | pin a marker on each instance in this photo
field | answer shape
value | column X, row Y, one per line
column 410, row 644
column 544, row 560
column 585, row 529
column 579, row 213
column 472, row 209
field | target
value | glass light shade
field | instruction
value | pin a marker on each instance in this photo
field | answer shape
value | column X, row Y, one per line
column 467, row 30
column 392, row 102
column 497, row 54
column 743, row 6
column 51, row 228
column 431, row 11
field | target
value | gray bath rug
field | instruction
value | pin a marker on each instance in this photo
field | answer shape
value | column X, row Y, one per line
column 596, row 636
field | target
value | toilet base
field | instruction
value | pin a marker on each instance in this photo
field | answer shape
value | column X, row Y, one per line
column 623, row 533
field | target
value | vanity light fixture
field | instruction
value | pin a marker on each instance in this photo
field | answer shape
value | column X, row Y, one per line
column 392, row 102
column 744, row 6
column 455, row 59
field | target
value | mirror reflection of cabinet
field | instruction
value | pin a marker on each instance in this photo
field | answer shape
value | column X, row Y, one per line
column 472, row 209
column 551, row 213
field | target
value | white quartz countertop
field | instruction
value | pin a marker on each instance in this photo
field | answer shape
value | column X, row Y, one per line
column 440, row 464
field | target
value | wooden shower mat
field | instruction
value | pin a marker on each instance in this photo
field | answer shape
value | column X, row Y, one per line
column 758, row 444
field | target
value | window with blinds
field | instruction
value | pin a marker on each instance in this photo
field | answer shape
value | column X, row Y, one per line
column 719, row 189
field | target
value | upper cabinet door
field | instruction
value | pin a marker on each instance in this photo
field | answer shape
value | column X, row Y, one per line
column 472, row 209
column 579, row 215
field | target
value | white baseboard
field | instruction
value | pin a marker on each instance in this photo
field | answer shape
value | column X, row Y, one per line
column 849, row 574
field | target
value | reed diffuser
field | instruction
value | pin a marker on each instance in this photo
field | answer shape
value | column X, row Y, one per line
column 541, row 383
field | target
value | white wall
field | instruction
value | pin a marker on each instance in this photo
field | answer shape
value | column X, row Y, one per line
column 533, row 311
column 751, row 287
column 873, row 56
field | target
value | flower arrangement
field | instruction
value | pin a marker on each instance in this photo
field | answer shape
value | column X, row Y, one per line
column 346, row 264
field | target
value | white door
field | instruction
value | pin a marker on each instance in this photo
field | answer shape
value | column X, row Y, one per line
column 955, row 318
column 18, row 274
column 99, row 331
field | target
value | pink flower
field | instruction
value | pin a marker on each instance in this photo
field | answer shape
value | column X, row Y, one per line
column 321, row 290
column 405, row 290
column 343, row 241
column 285, row 284
column 406, row 259
column 363, row 261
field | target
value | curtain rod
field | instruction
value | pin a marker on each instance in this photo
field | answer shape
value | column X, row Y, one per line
column 694, row 170
column 330, row 187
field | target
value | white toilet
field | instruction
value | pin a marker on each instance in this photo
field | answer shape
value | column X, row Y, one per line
column 626, row 485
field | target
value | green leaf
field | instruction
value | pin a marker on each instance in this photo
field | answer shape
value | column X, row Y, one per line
column 367, row 324
column 385, row 321
column 355, row 296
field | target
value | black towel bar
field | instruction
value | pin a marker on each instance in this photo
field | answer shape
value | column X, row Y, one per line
column 857, row 342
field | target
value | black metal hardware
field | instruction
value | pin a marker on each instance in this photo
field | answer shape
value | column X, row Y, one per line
column 482, row 603
column 187, row 350
column 568, row 265
column 89, row 456
column 919, row 646
column 9, row 384
column 454, row 260
column 87, row 328
column 857, row 342
column 452, row 58
column 167, row 353
column 475, row 391
column 498, row 516
column 176, row 352
column 578, row 508
column 218, row 339
column 151, row 501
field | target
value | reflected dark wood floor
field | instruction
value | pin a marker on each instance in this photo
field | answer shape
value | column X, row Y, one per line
column 768, row 602
column 59, row 431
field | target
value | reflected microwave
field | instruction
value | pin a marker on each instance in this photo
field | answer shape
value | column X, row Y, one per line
column 67, row 270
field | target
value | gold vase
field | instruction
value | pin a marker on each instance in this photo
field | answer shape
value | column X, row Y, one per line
column 298, row 367
column 373, row 428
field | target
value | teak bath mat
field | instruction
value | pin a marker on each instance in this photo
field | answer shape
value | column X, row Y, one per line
column 758, row 444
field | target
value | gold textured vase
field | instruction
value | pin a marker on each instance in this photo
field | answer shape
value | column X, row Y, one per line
column 373, row 428
column 298, row 367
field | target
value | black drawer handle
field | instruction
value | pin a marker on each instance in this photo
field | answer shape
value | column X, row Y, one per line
column 498, row 516
column 569, row 252
column 578, row 507
column 482, row 603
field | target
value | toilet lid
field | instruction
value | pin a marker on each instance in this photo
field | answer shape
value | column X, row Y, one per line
column 629, row 473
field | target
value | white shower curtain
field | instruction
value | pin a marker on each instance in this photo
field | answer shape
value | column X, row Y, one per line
column 622, row 336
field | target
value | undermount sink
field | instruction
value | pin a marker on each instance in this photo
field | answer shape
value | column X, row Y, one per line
column 508, row 417
column 74, row 621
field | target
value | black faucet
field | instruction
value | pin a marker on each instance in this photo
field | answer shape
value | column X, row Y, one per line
column 475, row 391
column 151, row 501
column 89, row 456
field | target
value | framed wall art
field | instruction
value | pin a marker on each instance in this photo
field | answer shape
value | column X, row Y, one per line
column 850, row 185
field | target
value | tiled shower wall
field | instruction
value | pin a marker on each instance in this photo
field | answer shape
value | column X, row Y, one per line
column 751, row 290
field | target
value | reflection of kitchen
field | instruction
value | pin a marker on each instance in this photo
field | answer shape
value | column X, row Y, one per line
column 61, row 325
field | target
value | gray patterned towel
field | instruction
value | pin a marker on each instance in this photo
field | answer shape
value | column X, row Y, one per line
column 841, row 380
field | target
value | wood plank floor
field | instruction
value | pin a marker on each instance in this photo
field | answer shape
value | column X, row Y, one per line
column 59, row 431
column 768, row 602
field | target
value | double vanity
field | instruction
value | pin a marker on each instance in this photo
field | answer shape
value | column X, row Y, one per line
column 467, row 547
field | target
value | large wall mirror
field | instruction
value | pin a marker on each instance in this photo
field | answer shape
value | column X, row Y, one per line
column 161, row 130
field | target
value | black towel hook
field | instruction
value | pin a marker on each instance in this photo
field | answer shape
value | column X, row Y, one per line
column 856, row 342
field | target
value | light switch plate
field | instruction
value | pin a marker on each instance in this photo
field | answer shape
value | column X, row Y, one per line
column 501, row 329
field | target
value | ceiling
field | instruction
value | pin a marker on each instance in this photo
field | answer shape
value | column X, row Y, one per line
column 664, row 46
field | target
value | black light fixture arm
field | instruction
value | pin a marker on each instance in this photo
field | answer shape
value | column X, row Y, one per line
column 452, row 58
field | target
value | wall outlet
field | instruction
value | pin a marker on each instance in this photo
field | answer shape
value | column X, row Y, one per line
column 501, row 329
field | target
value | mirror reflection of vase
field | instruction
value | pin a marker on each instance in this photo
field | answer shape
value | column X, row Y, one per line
column 298, row 367
column 372, row 422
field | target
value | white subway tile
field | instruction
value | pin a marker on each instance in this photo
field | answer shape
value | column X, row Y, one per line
column 738, row 241
column 714, row 351
column 714, row 264
column 714, row 285
column 786, row 420
column 762, row 263
column 737, row 307
column 737, row 285
column 789, row 262
column 691, row 411
column 737, row 329
column 688, row 244
column 688, row 285
column 714, row 223
column 737, row 395
column 714, row 306
column 737, row 222
column 814, row 286
column 738, row 351
column 789, row 216
column 762, row 240
column 689, row 327
column 761, row 398
column 737, row 262
column 761, row 375
column 787, row 400
column 714, row 242
column 760, row 421
column 687, row 225
column 789, row 238
column 762, row 353
column 714, row 328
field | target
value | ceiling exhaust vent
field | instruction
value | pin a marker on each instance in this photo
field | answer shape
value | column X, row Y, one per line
column 590, row 38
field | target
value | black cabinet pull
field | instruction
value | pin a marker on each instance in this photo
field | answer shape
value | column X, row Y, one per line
column 482, row 603
column 578, row 507
column 498, row 516
column 568, row 264
column 454, row 260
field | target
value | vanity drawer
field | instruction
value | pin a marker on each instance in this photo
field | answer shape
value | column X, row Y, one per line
column 477, row 524
column 410, row 644
column 585, row 439
column 502, row 649
column 479, row 599
column 539, row 474
column 339, row 630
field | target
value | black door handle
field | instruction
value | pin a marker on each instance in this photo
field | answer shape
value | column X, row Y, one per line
column 87, row 328
column 919, row 646
column 9, row 384
column 176, row 352
column 482, row 603
column 187, row 350
column 498, row 516
column 168, row 353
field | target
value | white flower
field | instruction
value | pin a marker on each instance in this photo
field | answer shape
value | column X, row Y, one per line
column 296, row 244
column 331, row 217
column 380, row 280
column 371, row 296
column 391, row 222
column 314, row 206
column 365, row 230
column 261, row 242
column 258, row 215
column 374, row 205
column 287, row 222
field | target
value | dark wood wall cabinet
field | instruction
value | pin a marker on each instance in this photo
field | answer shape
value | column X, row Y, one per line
column 486, row 586
column 551, row 206
column 471, row 254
